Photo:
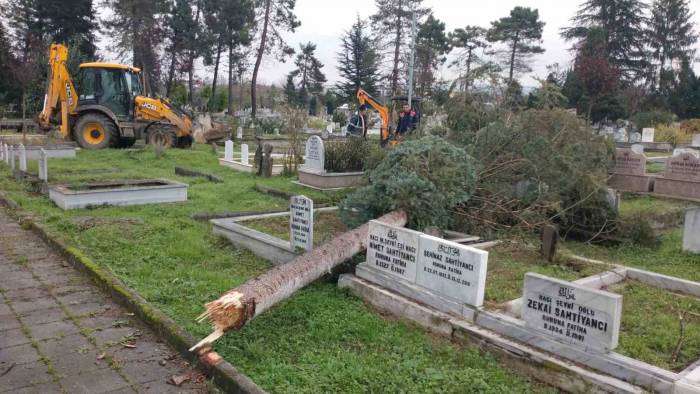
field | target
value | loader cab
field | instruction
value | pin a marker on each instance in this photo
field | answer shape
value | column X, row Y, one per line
column 113, row 86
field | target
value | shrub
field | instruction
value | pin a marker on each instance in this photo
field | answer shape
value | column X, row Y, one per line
column 691, row 126
column 340, row 118
column 670, row 134
column 426, row 178
column 270, row 124
column 348, row 156
column 316, row 123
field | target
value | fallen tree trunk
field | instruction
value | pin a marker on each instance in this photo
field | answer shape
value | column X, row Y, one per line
column 240, row 305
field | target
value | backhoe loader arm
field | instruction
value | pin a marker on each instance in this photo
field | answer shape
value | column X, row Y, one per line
column 157, row 110
column 59, row 90
column 364, row 98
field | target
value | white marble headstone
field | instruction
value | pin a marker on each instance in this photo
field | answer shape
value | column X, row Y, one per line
column 577, row 315
column 691, row 231
column 696, row 141
column 452, row 270
column 393, row 250
column 315, row 154
column 244, row 154
column 7, row 154
column 12, row 158
column 680, row 151
column 239, row 133
column 43, row 165
column 228, row 150
column 648, row 134
column 22, row 158
column 301, row 222
column 637, row 148
column 635, row 137
column 329, row 128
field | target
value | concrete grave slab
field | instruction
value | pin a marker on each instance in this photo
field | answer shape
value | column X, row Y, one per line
column 116, row 193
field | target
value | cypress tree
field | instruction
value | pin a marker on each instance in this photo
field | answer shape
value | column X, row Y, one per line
column 358, row 62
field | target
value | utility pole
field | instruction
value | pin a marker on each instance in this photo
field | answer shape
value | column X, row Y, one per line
column 413, row 59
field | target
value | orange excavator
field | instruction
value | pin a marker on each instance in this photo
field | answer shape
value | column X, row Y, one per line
column 387, row 134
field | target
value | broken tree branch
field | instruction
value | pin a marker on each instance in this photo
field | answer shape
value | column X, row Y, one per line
column 240, row 305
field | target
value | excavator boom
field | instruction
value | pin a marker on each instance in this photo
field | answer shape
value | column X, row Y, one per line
column 59, row 90
column 365, row 98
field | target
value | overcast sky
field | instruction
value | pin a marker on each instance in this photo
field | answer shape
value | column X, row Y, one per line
column 324, row 21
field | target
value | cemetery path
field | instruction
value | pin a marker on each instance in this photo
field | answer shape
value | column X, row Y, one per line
column 60, row 334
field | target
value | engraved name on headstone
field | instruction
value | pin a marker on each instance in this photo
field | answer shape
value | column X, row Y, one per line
column 580, row 316
column 301, row 222
column 393, row 250
column 452, row 270
column 315, row 154
column 684, row 167
column 629, row 163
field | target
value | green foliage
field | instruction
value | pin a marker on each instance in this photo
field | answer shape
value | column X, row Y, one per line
column 426, row 178
column 651, row 118
column 350, row 155
column 520, row 32
column 691, row 126
column 316, row 123
column 358, row 62
column 431, row 47
column 670, row 134
column 537, row 166
column 341, row 118
column 268, row 125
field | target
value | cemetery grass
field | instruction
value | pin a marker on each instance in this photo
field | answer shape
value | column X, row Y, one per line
column 509, row 262
column 320, row 340
column 650, row 328
column 327, row 225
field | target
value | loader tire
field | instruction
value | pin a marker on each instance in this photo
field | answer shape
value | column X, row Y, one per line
column 161, row 136
column 95, row 131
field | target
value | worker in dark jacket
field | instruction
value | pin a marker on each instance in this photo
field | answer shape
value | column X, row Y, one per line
column 407, row 121
column 359, row 123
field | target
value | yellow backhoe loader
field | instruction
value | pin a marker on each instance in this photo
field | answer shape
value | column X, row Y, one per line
column 107, row 106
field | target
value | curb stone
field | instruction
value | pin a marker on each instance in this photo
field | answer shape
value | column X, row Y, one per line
column 225, row 375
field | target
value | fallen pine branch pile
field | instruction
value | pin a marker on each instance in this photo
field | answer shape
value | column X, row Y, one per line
column 240, row 305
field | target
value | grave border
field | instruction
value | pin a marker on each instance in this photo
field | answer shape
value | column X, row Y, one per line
column 265, row 246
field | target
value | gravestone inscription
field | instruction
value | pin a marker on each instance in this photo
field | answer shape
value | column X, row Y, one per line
column 580, row 316
column 315, row 154
column 684, row 167
column 452, row 270
column 393, row 250
column 301, row 222
column 629, row 163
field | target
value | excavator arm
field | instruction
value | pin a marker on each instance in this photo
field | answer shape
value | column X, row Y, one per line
column 365, row 98
column 157, row 110
column 59, row 91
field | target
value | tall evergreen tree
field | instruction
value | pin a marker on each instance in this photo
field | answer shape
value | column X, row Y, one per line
column 272, row 18
column 431, row 47
column 308, row 74
column 137, row 28
column 181, row 31
column 684, row 99
column 468, row 41
column 392, row 23
column 69, row 21
column 623, row 23
column 358, row 62
column 520, row 32
column 672, row 35
column 8, row 88
column 597, row 77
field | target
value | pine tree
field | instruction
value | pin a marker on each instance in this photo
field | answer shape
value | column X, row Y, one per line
column 308, row 73
column 137, row 28
column 273, row 17
column 358, row 62
column 290, row 90
column 431, row 47
column 672, row 35
column 684, row 99
column 392, row 23
column 468, row 41
column 623, row 23
column 69, row 21
column 521, row 31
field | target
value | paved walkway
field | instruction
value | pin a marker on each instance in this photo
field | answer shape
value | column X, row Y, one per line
column 60, row 334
